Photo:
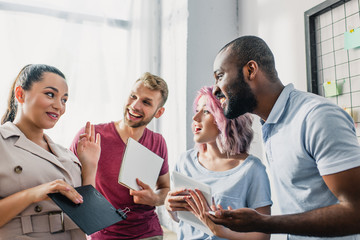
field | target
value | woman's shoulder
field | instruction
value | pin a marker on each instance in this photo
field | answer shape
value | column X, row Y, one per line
column 189, row 154
column 187, row 157
column 255, row 162
column 59, row 150
column 9, row 129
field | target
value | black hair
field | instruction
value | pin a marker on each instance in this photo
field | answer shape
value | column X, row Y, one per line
column 27, row 76
column 248, row 48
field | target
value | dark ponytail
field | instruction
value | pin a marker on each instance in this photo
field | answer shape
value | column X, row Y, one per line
column 12, row 106
column 27, row 76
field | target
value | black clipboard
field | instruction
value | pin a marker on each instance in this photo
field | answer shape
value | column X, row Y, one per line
column 94, row 214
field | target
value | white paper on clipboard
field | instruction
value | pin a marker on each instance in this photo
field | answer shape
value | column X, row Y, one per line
column 182, row 181
column 139, row 162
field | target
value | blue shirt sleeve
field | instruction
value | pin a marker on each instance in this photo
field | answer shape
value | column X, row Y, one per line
column 331, row 139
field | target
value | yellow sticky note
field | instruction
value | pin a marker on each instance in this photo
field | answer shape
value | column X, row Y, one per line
column 331, row 89
column 352, row 38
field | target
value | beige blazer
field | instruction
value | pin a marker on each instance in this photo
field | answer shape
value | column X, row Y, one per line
column 24, row 164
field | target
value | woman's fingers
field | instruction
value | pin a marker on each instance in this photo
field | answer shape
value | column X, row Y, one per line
column 177, row 203
column 66, row 190
column 98, row 139
column 82, row 136
column 192, row 207
column 40, row 192
column 73, row 196
column 203, row 201
column 85, row 136
column 92, row 135
column 87, row 128
column 200, row 201
column 200, row 204
column 195, row 203
column 176, row 200
column 181, row 191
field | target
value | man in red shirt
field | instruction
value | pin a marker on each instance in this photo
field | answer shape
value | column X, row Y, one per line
column 146, row 101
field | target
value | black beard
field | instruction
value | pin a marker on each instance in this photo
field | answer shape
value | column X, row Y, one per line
column 241, row 99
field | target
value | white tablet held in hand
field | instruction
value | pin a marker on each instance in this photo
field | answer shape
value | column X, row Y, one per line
column 182, row 181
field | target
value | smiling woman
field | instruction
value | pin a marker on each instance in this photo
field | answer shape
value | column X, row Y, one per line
column 37, row 101
column 46, row 101
column 24, row 82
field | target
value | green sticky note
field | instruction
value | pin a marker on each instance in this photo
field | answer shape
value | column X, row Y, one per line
column 331, row 89
column 352, row 39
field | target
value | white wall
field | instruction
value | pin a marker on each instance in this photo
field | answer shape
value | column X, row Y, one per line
column 211, row 23
column 281, row 24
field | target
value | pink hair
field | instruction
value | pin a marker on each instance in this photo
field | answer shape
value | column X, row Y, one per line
column 235, row 134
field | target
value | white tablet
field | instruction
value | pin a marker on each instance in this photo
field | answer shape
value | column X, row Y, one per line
column 182, row 181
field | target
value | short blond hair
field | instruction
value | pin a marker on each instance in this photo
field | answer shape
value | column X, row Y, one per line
column 154, row 82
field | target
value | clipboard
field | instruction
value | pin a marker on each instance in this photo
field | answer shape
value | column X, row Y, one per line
column 139, row 162
column 94, row 214
column 182, row 181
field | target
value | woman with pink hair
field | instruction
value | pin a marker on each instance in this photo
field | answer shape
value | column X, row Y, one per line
column 220, row 159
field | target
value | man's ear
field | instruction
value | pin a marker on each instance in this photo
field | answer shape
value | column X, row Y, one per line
column 251, row 69
column 159, row 112
column 20, row 94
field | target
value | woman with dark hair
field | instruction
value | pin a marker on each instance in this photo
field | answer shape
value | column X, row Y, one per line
column 32, row 165
column 221, row 160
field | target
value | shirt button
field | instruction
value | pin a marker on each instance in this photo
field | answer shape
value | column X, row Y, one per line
column 18, row 169
column 38, row 208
